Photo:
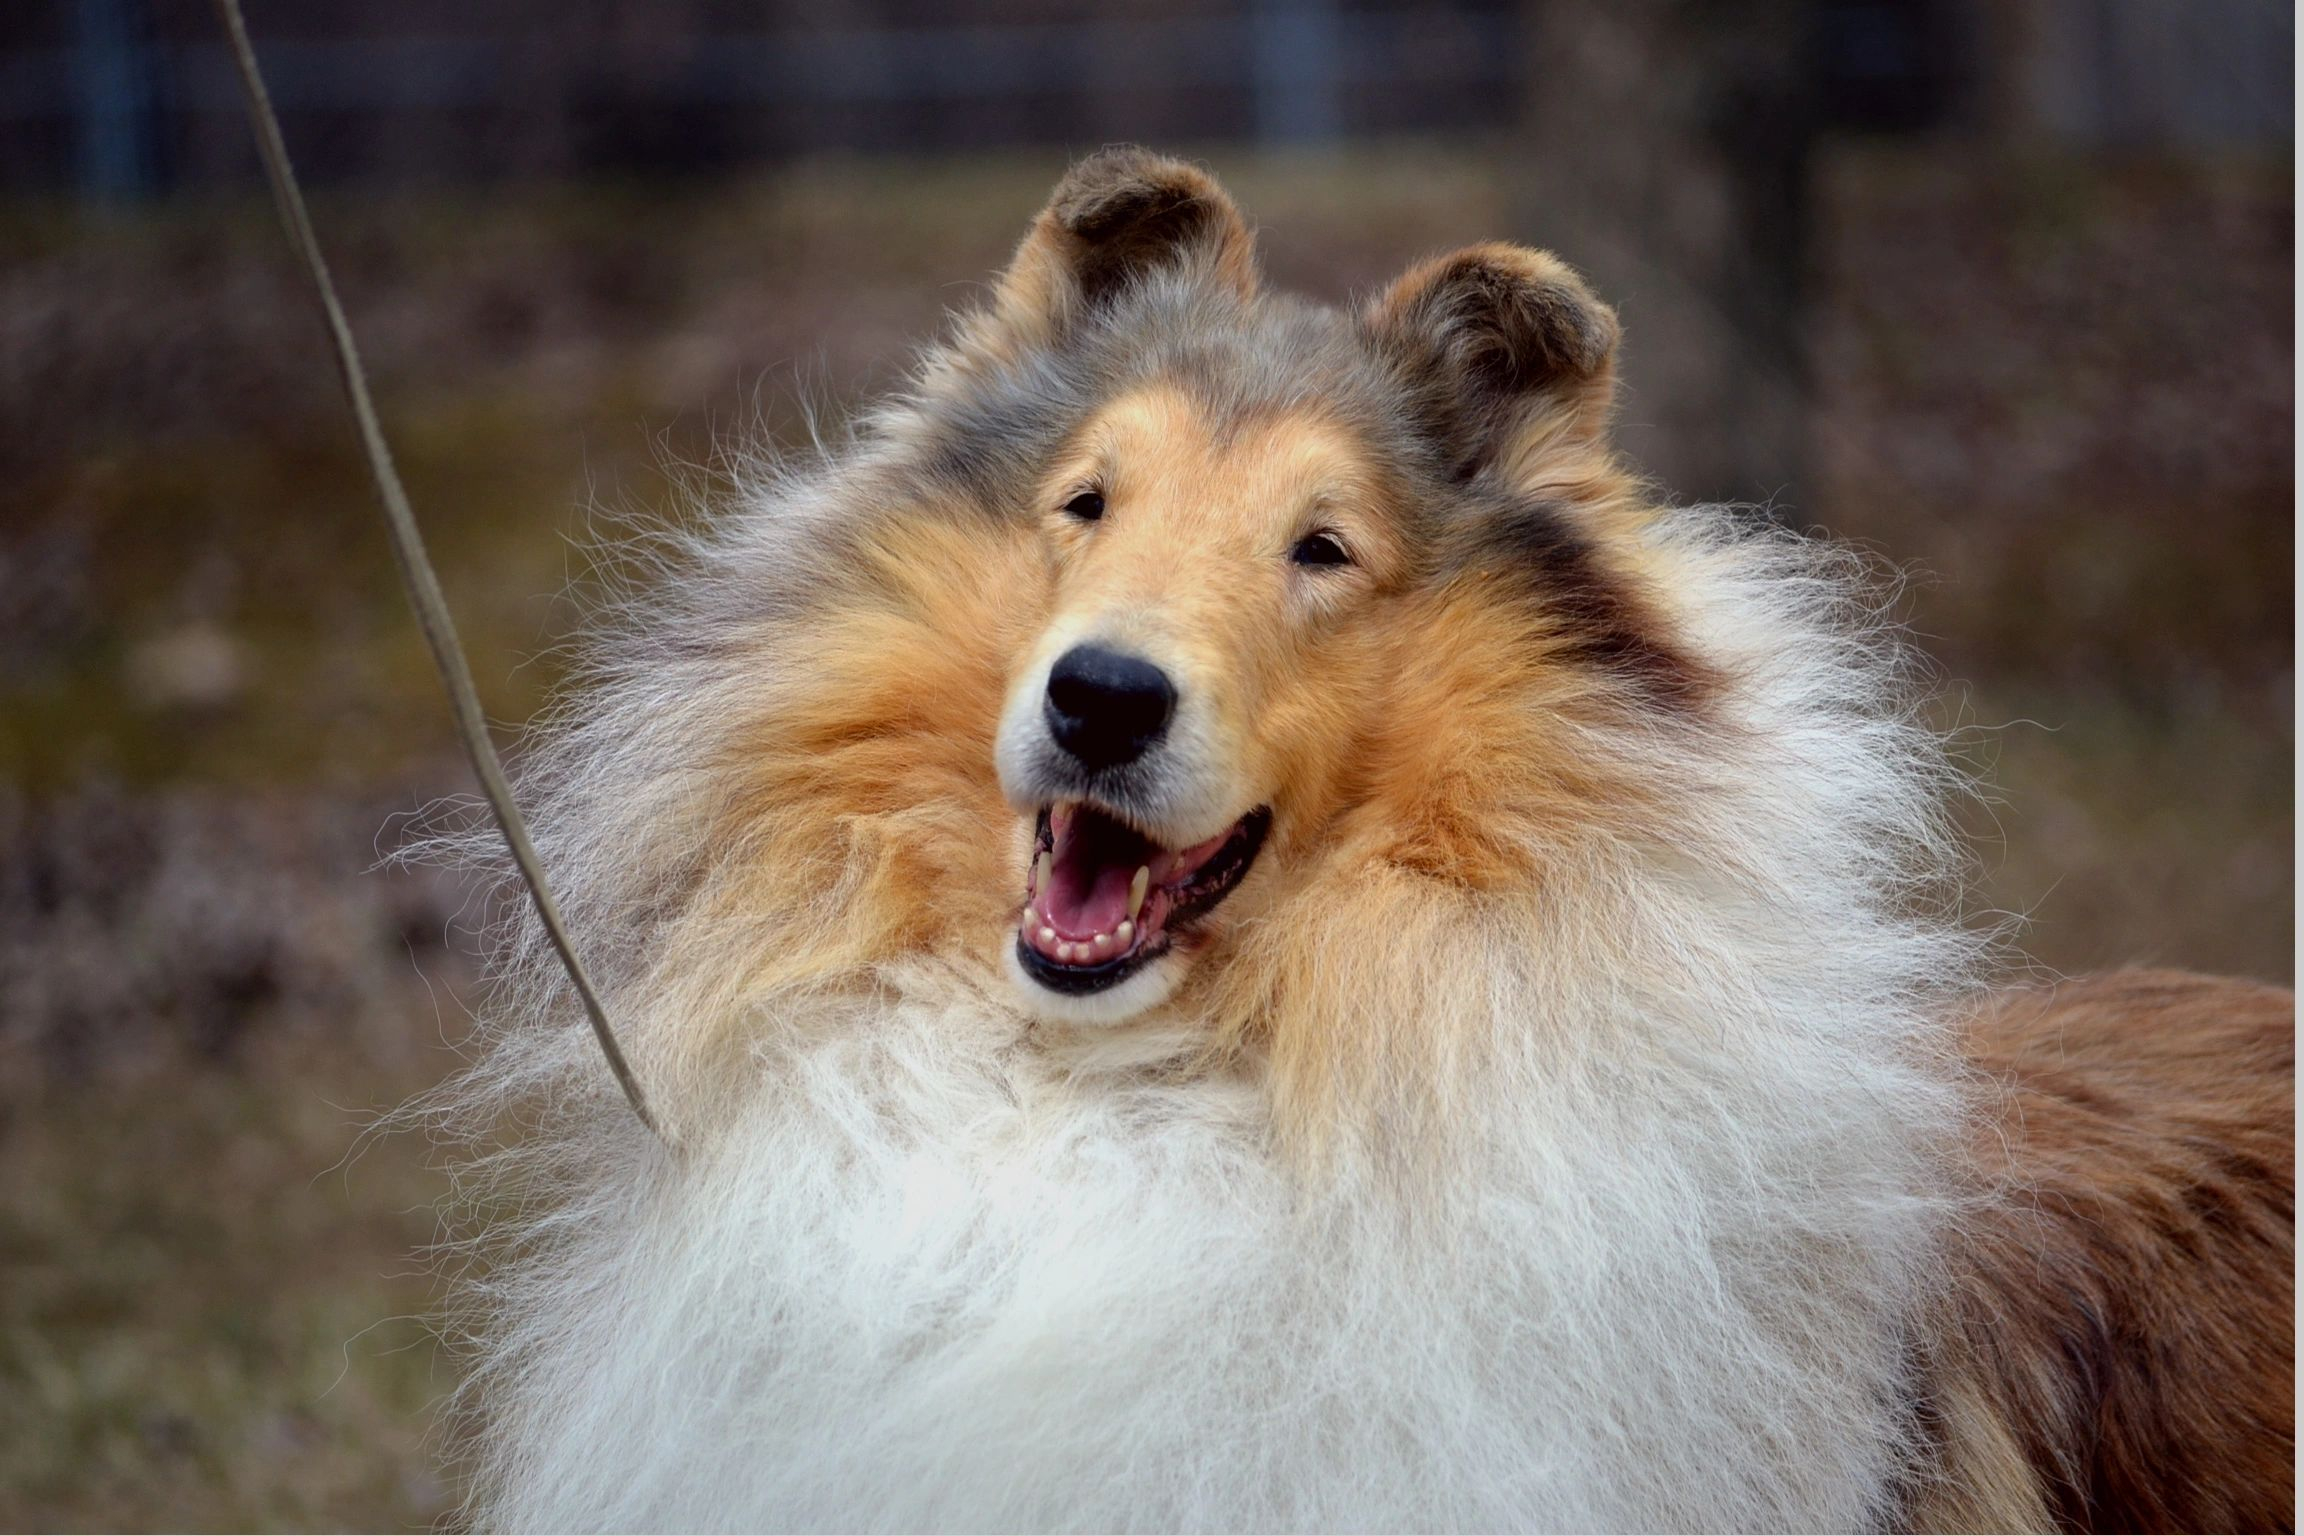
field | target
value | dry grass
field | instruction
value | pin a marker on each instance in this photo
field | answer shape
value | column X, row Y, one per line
column 210, row 1316
column 2062, row 392
column 206, row 1325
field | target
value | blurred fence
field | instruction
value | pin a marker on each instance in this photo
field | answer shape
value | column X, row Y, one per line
column 124, row 97
column 119, row 99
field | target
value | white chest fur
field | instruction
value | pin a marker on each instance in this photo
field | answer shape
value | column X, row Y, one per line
column 934, row 1281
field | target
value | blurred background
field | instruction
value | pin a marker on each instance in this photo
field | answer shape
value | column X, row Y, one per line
column 2001, row 290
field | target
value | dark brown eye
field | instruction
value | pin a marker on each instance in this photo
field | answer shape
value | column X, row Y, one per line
column 1319, row 549
column 1087, row 506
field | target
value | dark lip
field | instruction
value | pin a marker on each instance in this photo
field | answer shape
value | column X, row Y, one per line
column 1216, row 879
column 1081, row 980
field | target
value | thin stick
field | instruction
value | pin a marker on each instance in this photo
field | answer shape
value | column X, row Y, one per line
column 408, row 550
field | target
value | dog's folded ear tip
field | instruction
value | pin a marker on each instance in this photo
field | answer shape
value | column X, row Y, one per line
column 1122, row 183
column 1117, row 215
column 1505, row 344
column 1522, row 315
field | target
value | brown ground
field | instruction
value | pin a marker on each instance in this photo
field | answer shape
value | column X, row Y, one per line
column 2063, row 393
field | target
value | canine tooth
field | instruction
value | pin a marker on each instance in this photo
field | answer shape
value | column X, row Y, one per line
column 1047, row 936
column 1137, row 887
column 1040, row 868
column 1125, row 934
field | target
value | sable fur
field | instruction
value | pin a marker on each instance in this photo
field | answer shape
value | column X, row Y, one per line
column 1562, row 1128
column 2124, row 1311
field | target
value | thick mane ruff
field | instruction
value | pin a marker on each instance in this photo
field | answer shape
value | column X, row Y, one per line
column 1234, row 927
column 1558, row 1130
column 1575, row 1124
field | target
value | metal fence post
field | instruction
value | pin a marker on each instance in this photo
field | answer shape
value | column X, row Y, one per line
column 1297, row 68
column 112, row 101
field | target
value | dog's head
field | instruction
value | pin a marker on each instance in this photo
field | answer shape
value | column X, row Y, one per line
column 1259, row 518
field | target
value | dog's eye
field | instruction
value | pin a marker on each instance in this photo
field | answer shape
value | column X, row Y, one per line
column 1087, row 506
column 1319, row 549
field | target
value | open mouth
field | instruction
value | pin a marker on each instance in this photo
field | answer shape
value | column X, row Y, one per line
column 1103, row 900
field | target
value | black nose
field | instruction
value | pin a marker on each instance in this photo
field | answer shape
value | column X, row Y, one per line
column 1105, row 708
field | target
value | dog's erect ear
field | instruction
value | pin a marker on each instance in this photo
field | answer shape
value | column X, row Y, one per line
column 1115, row 217
column 1506, row 346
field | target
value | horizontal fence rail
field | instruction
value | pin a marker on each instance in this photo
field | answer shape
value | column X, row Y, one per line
column 1282, row 71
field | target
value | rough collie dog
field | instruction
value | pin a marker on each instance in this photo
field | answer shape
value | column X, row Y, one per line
column 1235, row 929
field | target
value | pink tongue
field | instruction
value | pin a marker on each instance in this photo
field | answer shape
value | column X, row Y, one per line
column 1082, row 899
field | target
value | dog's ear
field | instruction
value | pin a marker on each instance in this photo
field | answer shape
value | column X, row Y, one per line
column 1116, row 217
column 1505, row 348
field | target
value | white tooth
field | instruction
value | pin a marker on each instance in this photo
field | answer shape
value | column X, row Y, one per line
column 1040, row 868
column 1125, row 934
column 1103, row 944
column 1047, row 937
column 1137, row 887
column 1075, row 954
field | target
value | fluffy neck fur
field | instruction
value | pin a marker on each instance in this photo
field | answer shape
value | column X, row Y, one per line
column 1615, row 1217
